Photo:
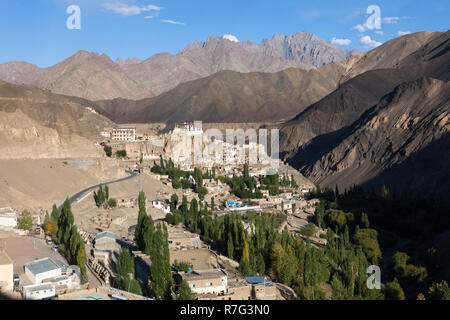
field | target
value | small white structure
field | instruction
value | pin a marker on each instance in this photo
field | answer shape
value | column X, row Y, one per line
column 150, row 156
column 161, row 205
column 8, row 217
column 106, row 134
column 42, row 269
column 188, row 129
column 305, row 190
column 39, row 291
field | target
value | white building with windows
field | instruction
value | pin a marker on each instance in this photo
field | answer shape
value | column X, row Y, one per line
column 42, row 269
column 123, row 134
column 39, row 291
column 213, row 281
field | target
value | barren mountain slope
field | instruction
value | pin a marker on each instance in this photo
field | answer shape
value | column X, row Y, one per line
column 401, row 142
column 86, row 75
column 229, row 96
column 35, row 123
column 343, row 106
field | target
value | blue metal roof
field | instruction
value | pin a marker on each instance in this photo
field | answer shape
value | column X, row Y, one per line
column 41, row 266
column 255, row 280
column 105, row 234
column 60, row 264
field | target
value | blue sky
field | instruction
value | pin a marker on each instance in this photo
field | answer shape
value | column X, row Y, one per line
column 35, row 30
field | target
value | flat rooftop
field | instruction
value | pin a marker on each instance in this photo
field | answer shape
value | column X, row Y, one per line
column 4, row 258
column 203, row 274
column 42, row 265
column 7, row 211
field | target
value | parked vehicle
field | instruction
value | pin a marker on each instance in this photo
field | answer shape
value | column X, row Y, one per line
column 16, row 279
column 49, row 241
column 55, row 248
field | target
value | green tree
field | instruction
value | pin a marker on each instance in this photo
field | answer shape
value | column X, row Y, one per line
column 161, row 275
column 245, row 251
column 212, row 204
column 176, row 183
column 230, row 246
column 121, row 153
column 393, row 291
column 55, row 213
column 106, row 193
column 244, row 267
column 108, row 151
column 81, row 259
column 185, row 292
column 365, row 220
column 439, row 291
column 25, row 222
column 125, row 263
column 173, row 202
column 112, row 203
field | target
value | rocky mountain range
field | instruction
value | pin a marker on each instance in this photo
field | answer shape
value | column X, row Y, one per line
column 229, row 96
column 97, row 77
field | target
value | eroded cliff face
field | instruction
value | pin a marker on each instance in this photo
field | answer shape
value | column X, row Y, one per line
column 36, row 123
column 24, row 138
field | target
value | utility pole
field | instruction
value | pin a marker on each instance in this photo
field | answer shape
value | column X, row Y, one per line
column 129, row 283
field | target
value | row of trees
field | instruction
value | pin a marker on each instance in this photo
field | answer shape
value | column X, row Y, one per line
column 68, row 238
column 126, row 273
column 119, row 153
column 181, row 179
column 154, row 241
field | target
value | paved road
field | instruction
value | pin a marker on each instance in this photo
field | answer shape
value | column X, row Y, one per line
column 82, row 192
column 92, row 279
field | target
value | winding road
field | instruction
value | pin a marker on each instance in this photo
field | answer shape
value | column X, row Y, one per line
column 79, row 194
column 93, row 280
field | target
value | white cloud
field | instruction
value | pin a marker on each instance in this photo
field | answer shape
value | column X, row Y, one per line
column 393, row 20
column 379, row 32
column 126, row 10
column 231, row 38
column 368, row 42
column 173, row 22
column 341, row 42
column 360, row 27
column 402, row 33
